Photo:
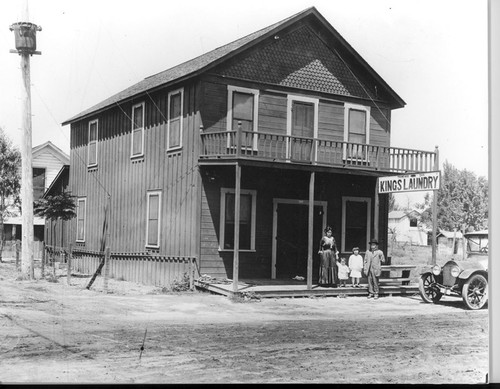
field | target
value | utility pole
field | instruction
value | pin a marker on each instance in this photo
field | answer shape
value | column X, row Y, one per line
column 25, row 40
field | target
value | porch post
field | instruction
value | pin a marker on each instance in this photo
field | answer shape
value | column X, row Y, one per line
column 237, row 199
column 310, row 232
column 434, row 211
column 376, row 211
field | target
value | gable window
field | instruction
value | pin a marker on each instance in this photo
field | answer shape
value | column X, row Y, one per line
column 38, row 182
column 247, row 219
column 175, row 108
column 153, row 219
column 356, row 131
column 92, row 146
column 243, row 108
column 413, row 221
column 137, row 148
column 302, row 127
column 81, row 211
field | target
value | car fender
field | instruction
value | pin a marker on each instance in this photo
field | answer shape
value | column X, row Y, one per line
column 469, row 272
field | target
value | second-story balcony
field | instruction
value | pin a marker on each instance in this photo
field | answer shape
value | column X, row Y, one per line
column 282, row 148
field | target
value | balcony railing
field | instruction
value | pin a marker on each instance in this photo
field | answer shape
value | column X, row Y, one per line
column 322, row 152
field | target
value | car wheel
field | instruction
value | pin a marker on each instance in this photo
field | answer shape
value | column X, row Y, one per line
column 428, row 289
column 475, row 291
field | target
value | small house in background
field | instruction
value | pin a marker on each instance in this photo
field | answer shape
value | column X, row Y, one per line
column 47, row 161
column 450, row 243
column 406, row 227
column 56, row 231
column 289, row 122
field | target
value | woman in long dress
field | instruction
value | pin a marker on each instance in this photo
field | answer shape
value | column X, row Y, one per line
column 328, row 255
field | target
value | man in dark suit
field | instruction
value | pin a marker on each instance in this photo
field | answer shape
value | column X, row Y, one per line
column 372, row 268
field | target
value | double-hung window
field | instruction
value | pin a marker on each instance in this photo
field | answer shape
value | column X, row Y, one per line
column 356, row 131
column 175, row 108
column 92, row 145
column 153, row 219
column 81, row 211
column 137, row 147
column 247, row 219
column 242, row 108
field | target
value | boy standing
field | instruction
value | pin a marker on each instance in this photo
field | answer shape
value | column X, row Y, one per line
column 372, row 268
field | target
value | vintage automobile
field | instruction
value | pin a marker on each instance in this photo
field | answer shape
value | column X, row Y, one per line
column 467, row 277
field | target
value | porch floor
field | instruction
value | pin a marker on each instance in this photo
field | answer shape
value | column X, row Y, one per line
column 266, row 288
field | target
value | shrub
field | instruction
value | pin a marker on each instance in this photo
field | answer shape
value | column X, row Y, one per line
column 181, row 285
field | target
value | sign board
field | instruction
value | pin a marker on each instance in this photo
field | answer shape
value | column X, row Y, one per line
column 410, row 182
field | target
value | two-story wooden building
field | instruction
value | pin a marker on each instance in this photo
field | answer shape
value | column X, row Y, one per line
column 256, row 145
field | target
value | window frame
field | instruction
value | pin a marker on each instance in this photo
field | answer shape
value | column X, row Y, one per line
column 149, row 194
column 78, row 213
column 141, row 154
column 289, row 118
column 181, row 119
column 255, row 117
column 367, row 200
column 356, row 107
column 253, row 218
column 96, row 141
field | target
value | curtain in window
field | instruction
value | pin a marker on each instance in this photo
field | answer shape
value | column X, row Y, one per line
column 245, row 221
column 153, row 220
column 137, row 128
column 80, row 228
column 92, row 143
column 174, row 136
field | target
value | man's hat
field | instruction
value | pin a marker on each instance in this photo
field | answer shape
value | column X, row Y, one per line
column 374, row 241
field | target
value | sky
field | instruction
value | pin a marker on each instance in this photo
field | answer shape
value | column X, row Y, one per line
column 433, row 53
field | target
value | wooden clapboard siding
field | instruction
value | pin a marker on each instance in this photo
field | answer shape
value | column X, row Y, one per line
column 128, row 180
column 380, row 126
column 272, row 115
column 331, row 121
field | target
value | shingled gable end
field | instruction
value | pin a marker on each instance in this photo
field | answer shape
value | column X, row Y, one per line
column 156, row 162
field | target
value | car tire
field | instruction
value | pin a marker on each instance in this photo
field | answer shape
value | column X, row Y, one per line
column 428, row 292
column 475, row 291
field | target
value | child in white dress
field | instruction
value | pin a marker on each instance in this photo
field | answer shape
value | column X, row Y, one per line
column 343, row 272
column 356, row 265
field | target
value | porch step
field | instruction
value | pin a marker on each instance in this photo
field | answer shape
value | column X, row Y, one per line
column 294, row 290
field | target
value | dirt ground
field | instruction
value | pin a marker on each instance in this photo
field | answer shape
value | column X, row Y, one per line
column 52, row 332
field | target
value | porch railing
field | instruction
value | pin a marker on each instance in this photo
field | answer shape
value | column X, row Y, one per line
column 315, row 151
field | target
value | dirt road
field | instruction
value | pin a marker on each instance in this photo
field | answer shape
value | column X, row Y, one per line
column 52, row 332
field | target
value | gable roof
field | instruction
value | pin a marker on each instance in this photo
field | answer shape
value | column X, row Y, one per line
column 51, row 148
column 401, row 214
column 209, row 60
column 449, row 234
column 63, row 173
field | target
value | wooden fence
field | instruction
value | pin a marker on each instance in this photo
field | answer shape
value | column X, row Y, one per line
column 12, row 246
column 157, row 270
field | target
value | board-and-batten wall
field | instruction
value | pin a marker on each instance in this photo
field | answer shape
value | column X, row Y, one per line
column 127, row 181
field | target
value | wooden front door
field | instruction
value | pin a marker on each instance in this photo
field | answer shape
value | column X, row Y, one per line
column 302, row 130
column 292, row 239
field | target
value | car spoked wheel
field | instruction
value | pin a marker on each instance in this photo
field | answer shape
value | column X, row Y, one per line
column 475, row 292
column 428, row 289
